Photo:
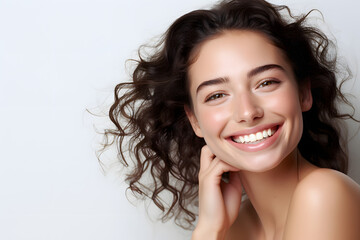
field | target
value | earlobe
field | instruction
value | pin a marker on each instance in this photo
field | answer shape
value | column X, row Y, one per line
column 193, row 121
column 306, row 98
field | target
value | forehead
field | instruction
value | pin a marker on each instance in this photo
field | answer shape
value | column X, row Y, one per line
column 234, row 52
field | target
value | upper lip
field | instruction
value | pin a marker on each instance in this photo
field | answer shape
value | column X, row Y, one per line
column 254, row 130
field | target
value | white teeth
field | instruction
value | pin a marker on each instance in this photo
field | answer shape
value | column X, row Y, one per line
column 269, row 132
column 265, row 133
column 255, row 136
column 252, row 138
column 259, row 136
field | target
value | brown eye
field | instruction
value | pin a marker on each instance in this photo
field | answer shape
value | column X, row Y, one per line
column 215, row 96
column 267, row 83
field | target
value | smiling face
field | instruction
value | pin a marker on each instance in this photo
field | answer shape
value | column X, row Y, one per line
column 246, row 103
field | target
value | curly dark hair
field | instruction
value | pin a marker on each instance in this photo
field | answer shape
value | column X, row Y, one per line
column 152, row 132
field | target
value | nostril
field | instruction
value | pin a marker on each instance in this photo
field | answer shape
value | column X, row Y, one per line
column 246, row 108
column 249, row 115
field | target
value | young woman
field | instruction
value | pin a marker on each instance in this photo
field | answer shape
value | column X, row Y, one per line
column 235, row 110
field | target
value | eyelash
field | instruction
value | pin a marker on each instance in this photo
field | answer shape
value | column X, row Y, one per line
column 215, row 97
column 266, row 82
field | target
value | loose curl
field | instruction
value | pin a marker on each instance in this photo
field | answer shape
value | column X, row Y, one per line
column 148, row 112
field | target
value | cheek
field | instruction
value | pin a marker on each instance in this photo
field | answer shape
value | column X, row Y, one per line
column 286, row 102
column 212, row 120
column 288, row 106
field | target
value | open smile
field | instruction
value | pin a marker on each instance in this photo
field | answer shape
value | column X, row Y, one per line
column 257, row 139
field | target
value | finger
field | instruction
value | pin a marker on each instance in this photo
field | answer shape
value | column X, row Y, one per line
column 218, row 167
column 206, row 158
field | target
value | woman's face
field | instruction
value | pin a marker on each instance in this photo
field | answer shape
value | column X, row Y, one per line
column 246, row 103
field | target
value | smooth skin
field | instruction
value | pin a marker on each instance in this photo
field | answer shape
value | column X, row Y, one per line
column 239, row 84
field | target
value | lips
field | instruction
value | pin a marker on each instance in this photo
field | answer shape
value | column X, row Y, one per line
column 256, row 136
column 251, row 143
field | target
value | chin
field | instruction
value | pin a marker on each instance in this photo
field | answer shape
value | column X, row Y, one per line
column 259, row 161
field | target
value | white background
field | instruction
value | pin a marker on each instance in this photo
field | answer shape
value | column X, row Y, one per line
column 59, row 58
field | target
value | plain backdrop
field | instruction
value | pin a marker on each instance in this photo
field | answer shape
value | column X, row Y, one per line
column 61, row 57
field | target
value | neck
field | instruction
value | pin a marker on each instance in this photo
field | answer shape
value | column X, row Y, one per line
column 270, row 193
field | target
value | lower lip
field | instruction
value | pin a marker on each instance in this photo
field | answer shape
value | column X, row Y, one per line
column 258, row 146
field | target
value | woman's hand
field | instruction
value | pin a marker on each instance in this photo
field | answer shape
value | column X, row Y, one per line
column 219, row 202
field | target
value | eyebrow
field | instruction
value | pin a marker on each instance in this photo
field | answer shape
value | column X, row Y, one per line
column 215, row 81
column 250, row 74
column 264, row 68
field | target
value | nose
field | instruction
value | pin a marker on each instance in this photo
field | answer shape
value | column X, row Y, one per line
column 247, row 108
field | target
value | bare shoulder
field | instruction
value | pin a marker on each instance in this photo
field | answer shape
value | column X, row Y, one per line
column 325, row 205
column 246, row 225
column 327, row 183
